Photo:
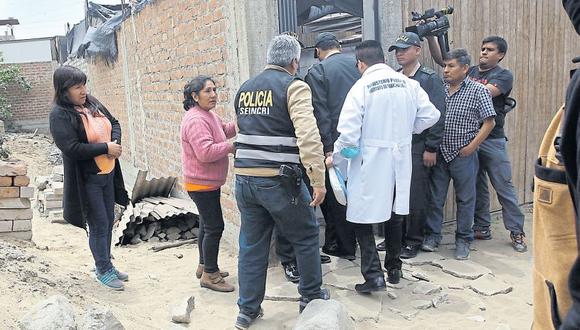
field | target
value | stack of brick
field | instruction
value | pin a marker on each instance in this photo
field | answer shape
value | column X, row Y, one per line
column 50, row 195
column 15, row 195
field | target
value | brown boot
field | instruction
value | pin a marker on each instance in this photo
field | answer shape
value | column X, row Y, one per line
column 215, row 282
column 199, row 272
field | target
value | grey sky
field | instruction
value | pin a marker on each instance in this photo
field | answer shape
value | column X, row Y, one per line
column 44, row 18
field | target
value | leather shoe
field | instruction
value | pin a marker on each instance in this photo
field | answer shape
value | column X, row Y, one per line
column 394, row 276
column 376, row 284
column 291, row 272
column 410, row 251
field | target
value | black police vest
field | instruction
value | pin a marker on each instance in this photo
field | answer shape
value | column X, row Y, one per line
column 266, row 136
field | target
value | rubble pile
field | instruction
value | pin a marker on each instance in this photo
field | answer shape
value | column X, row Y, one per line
column 50, row 195
column 15, row 195
column 159, row 219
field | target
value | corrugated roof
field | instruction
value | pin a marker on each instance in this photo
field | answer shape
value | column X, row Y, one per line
column 156, row 187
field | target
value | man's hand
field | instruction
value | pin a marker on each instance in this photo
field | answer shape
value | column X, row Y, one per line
column 467, row 150
column 429, row 159
column 329, row 161
column 114, row 149
column 318, row 194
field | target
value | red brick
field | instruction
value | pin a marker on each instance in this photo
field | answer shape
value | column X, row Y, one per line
column 12, row 167
column 21, row 181
column 9, row 192
column 5, row 181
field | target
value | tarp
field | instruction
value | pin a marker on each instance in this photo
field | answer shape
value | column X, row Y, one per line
column 311, row 10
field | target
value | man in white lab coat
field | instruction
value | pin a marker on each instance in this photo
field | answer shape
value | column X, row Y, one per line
column 379, row 116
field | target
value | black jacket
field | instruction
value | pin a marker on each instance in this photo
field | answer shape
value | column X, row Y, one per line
column 70, row 137
column 330, row 81
column 432, row 84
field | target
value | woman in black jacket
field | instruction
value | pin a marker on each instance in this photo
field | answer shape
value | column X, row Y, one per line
column 90, row 140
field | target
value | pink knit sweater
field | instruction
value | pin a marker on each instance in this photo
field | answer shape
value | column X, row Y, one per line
column 204, row 147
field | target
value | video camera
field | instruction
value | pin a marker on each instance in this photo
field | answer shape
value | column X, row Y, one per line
column 432, row 23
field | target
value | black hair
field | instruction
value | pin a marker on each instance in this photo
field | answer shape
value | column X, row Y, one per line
column 500, row 42
column 66, row 77
column 328, row 44
column 370, row 52
column 459, row 54
column 195, row 85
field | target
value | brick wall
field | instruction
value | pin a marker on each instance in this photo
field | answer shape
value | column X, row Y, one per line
column 160, row 49
column 30, row 109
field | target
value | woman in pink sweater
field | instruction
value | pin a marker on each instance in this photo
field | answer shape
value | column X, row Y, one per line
column 204, row 154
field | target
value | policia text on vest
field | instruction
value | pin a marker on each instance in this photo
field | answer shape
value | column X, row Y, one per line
column 255, row 102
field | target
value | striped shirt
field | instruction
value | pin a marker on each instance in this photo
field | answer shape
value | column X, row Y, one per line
column 466, row 109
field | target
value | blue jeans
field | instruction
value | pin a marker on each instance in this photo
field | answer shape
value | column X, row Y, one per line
column 494, row 162
column 100, row 195
column 264, row 202
column 463, row 171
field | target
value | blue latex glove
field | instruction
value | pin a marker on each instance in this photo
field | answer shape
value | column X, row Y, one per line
column 350, row 152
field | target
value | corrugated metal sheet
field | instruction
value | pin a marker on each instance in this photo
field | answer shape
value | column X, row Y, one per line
column 143, row 188
column 287, row 16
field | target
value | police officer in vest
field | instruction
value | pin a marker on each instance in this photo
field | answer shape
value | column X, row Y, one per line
column 407, row 49
column 277, row 132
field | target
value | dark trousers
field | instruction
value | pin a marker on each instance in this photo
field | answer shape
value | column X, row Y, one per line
column 210, row 211
column 284, row 249
column 393, row 240
column 265, row 202
column 337, row 228
column 370, row 262
column 101, row 215
column 414, row 223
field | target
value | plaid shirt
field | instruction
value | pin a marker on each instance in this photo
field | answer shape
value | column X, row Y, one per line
column 465, row 111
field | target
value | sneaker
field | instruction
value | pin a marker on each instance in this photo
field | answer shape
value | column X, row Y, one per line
column 382, row 246
column 121, row 275
column 394, row 276
column 410, row 251
column 518, row 242
column 244, row 321
column 430, row 244
column 482, row 234
column 324, row 295
column 461, row 250
column 376, row 284
column 110, row 280
column 291, row 272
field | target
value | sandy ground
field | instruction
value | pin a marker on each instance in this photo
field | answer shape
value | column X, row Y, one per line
column 58, row 261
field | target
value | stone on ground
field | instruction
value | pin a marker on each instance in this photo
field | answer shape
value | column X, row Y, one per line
column 324, row 314
column 182, row 312
column 462, row 269
column 100, row 318
column 489, row 285
column 54, row 313
column 427, row 288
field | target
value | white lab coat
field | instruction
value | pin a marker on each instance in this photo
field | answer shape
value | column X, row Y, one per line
column 380, row 114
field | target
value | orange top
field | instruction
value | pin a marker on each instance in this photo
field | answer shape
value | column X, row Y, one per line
column 198, row 187
column 98, row 130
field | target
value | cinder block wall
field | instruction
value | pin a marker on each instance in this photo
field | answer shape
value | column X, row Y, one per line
column 30, row 109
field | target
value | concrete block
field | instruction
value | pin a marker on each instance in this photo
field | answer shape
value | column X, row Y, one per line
column 53, row 204
column 9, row 192
column 26, row 192
column 14, row 203
column 12, row 167
column 21, row 181
column 5, row 226
column 16, row 214
column 5, row 181
column 23, row 235
column 57, row 185
column 52, row 197
column 21, row 225
column 57, row 178
column 58, row 169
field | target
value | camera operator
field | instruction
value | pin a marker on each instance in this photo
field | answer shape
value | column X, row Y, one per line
column 493, row 157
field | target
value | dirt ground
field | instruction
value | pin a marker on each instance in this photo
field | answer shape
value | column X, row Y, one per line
column 58, row 261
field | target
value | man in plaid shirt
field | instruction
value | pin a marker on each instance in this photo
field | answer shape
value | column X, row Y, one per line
column 469, row 120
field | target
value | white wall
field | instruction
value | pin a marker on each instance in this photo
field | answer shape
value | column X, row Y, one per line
column 25, row 51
